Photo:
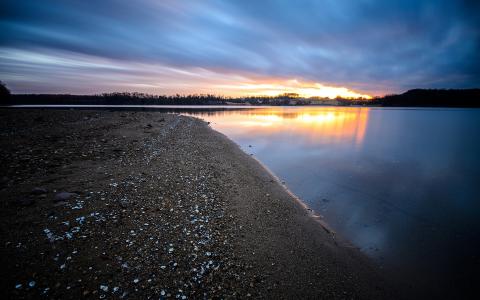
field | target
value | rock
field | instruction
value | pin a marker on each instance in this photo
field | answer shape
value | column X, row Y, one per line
column 63, row 196
column 104, row 288
column 38, row 191
column 123, row 203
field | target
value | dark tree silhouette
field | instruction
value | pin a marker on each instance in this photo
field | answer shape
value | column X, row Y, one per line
column 433, row 98
column 4, row 93
column 426, row 98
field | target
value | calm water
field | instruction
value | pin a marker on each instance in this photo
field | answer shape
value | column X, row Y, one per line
column 403, row 185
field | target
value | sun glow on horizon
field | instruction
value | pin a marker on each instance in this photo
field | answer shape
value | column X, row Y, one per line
column 303, row 89
column 110, row 75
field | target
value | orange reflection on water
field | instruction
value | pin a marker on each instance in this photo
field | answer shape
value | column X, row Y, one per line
column 330, row 124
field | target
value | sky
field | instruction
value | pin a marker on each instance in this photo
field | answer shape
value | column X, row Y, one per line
column 245, row 47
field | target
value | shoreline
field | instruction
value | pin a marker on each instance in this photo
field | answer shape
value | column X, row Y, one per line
column 294, row 197
column 171, row 172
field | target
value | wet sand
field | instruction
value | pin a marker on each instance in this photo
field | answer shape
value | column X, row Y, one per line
column 140, row 205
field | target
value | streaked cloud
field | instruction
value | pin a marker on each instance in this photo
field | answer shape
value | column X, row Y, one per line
column 369, row 46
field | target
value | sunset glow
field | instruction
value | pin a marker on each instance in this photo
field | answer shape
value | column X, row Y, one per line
column 238, row 48
column 303, row 89
column 110, row 75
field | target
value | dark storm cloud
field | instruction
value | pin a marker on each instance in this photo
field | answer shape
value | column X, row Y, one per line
column 377, row 46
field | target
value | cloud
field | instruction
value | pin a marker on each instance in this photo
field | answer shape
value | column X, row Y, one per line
column 370, row 46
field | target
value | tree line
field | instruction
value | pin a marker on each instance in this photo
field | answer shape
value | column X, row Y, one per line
column 411, row 98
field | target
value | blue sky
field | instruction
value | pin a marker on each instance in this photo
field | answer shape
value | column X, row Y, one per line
column 234, row 47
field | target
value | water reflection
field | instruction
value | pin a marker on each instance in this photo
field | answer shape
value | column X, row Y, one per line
column 331, row 125
column 400, row 184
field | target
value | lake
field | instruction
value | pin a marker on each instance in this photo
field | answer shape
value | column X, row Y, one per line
column 403, row 185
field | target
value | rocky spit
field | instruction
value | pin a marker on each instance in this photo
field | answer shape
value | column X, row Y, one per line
column 146, row 205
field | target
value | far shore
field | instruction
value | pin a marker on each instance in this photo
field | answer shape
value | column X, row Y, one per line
column 413, row 98
column 143, row 204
